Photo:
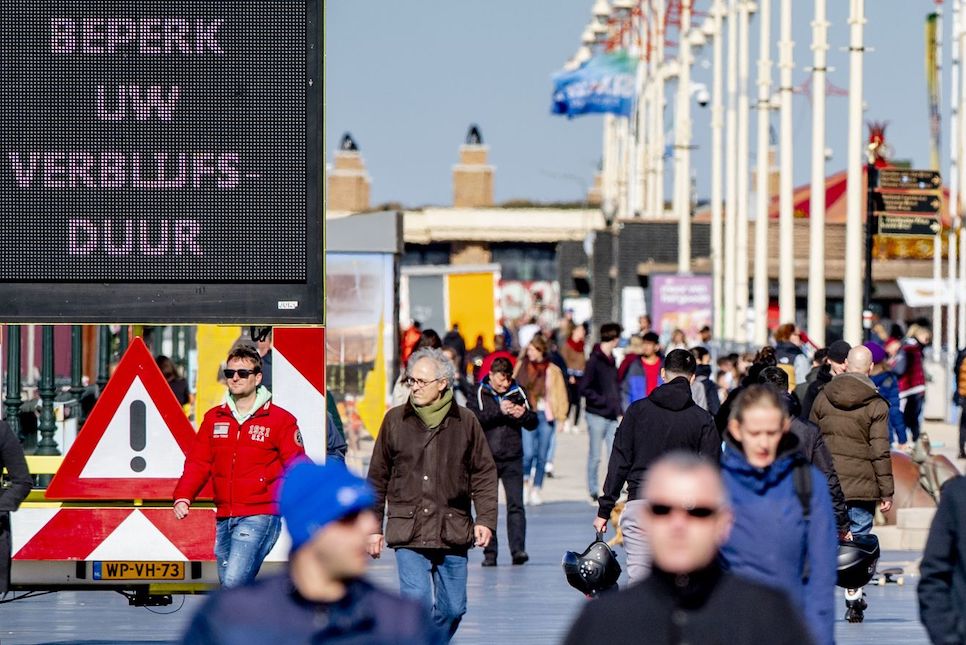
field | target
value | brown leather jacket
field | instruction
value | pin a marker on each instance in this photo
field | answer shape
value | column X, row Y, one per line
column 854, row 420
column 425, row 480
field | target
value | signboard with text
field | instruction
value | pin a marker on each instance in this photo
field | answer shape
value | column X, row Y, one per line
column 681, row 302
column 161, row 161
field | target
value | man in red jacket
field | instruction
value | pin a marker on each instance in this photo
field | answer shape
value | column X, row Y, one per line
column 243, row 446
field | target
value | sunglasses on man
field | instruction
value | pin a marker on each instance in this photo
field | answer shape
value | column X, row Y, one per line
column 697, row 512
column 242, row 373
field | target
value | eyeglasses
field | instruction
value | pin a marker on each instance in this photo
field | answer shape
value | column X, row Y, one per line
column 419, row 383
column 242, row 373
column 698, row 512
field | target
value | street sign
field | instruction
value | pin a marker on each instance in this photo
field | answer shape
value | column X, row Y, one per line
column 134, row 442
column 906, row 202
column 906, row 225
column 161, row 161
column 917, row 179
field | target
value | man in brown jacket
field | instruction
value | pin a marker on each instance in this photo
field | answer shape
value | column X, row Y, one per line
column 854, row 420
column 430, row 462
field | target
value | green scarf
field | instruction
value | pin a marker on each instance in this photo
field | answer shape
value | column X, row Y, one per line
column 434, row 413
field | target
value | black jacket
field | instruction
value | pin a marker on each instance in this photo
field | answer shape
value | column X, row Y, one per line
column 813, row 446
column 11, row 458
column 270, row 610
column 942, row 587
column 600, row 385
column 710, row 607
column 502, row 431
column 702, row 374
column 667, row 420
column 822, row 379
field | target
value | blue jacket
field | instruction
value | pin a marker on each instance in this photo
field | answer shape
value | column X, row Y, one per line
column 770, row 542
column 270, row 610
column 888, row 385
column 633, row 380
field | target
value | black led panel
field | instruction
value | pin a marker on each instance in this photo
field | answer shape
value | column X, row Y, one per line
column 159, row 161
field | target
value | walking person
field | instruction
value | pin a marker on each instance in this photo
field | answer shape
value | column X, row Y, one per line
column 12, row 459
column 640, row 374
column 665, row 421
column 703, row 390
column 501, row 406
column 854, row 419
column 689, row 598
column 788, row 351
column 888, row 385
column 430, row 463
column 784, row 530
column 912, row 378
column 547, row 396
column 602, row 398
column 242, row 447
column 323, row 596
column 942, row 585
column 573, row 354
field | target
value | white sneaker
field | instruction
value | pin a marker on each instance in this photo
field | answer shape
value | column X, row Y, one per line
column 535, row 497
column 526, row 493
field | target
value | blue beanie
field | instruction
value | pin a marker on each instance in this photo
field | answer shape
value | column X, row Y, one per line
column 311, row 496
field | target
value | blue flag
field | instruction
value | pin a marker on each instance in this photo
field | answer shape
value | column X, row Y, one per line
column 604, row 84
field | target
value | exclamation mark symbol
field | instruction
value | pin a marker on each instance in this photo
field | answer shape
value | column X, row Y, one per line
column 139, row 434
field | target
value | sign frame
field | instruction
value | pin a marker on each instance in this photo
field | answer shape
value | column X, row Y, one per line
column 191, row 302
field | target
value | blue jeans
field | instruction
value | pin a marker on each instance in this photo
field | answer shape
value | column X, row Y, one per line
column 241, row 544
column 436, row 578
column 536, row 446
column 861, row 516
column 600, row 430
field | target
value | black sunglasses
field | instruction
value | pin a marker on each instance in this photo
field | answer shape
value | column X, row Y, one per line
column 699, row 512
column 242, row 373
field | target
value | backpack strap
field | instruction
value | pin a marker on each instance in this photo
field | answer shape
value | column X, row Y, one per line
column 802, row 479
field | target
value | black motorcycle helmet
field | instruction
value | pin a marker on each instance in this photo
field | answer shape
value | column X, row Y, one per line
column 857, row 561
column 593, row 571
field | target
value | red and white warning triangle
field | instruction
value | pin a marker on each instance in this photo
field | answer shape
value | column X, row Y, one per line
column 134, row 442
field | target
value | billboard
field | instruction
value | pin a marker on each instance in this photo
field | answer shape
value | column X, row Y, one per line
column 681, row 302
column 160, row 161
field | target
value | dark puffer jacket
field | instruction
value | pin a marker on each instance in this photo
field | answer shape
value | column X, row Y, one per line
column 503, row 432
column 854, row 420
column 600, row 385
column 942, row 588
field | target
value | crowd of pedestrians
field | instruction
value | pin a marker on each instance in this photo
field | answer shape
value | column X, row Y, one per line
column 735, row 481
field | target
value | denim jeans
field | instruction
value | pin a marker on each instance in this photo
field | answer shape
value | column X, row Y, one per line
column 536, row 446
column 600, row 430
column 436, row 578
column 241, row 544
column 861, row 517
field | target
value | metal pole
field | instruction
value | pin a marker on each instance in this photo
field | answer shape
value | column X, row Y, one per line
column 77, row 370
column 872, row 173
column 682, row 170
column 717, row 124
column 655, row 76
column 853, row 224
column 816, row 247
column 960, row 99
column 13, row 400
column 786, row 215
column 48, row 424
column 731, row 178
column 659, row 115
column 763, row 198
column 104, row 342
column 937, row 264
column 953, row 264
column 741, row 232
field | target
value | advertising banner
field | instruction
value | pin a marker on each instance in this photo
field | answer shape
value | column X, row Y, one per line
column 681, row 302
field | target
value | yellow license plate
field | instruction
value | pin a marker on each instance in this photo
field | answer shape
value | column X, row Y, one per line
column 129, row 570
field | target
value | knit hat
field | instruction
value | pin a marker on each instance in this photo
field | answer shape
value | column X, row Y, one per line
column 838, row 351
column 312, row 496
column 878, row 353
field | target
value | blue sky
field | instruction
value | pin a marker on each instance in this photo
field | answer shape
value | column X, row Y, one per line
column 406, row 78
